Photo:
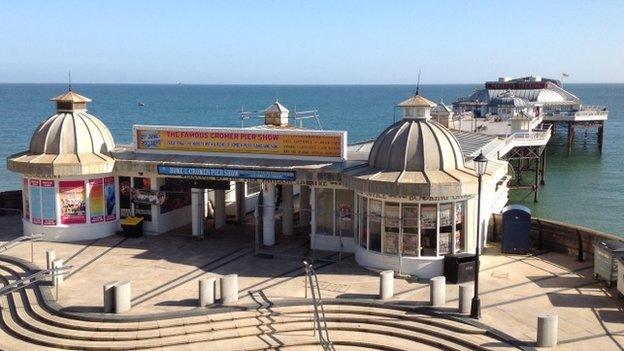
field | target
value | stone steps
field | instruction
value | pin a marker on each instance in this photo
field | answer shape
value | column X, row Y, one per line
column 27, row 320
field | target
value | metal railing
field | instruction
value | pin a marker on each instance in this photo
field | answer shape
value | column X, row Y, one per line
column 320, row 324
column 33, row 278
column 295, row 117
column 21, row 239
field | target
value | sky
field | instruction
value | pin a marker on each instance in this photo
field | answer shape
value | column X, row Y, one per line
column 309, row 42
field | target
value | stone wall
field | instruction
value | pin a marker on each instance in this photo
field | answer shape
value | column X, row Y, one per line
column 557, row 236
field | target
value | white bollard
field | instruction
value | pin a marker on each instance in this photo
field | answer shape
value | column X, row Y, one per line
column 466, row 293
column 437, row 291
column 109, row 297
column 547, row 326
column 123, row 296
column 58, row 278
column 207, row 291
column 386, row 284
column 50, row 256
column 229, row 289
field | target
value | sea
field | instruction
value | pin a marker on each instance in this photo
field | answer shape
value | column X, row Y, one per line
column 585, row 187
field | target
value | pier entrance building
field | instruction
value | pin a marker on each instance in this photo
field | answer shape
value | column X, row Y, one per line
column 402, row 201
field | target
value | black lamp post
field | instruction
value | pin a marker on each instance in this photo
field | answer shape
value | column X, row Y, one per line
column 480, row 167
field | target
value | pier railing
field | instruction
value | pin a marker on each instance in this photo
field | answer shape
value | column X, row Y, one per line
column 566, row 238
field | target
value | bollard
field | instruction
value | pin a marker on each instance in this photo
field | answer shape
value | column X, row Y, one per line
column 50, row 256
column 386, row 284
column 466, row 292
column 57, row 278
column 122, row 297
column 207, row 291
column 437, row 291
column 229, row 289
column 109, row 297
column 547, row 326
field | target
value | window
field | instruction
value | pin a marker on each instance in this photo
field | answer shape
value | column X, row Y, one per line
column 428, row 226
column 344, row 211
column 252, row 188
column 125, row 197
column 410, row 230
column 143, row 210
column 446, row 229
column 324, row 203
column 375, row 225
column 391, row 228
column 459, row 227
column 363, row 222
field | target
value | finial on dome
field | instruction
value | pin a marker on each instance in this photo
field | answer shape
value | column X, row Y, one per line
column 418, row 83
column 70, row 102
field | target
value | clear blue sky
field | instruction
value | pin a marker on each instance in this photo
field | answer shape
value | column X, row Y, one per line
column 309, row 42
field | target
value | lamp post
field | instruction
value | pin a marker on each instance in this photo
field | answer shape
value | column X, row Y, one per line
column 480, row 167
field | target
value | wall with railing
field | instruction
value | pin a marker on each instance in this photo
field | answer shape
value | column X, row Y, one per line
column 551, row 235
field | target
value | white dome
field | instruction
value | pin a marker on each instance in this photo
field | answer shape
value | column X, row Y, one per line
column 71, row 142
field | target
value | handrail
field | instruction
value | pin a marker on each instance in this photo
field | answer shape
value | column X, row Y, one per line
column 319, row 310
column 33, row 278
column 33, row 237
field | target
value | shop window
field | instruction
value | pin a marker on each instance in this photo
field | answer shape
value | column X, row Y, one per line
column 391, row 228
column 125, row 197
column 363, row 222
column 375, row 225
column 177, row 195
column 459, row 227
column 344, row 211
column 324, row 203
column 252, row 188
column 428, row 234
column 143, row 210
column 446, row 229
column 410, row 230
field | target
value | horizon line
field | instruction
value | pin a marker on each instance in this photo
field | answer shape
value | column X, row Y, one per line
column 273, row 84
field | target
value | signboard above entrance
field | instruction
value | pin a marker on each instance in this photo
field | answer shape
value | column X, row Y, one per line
column 224, row 173
column 293, row 144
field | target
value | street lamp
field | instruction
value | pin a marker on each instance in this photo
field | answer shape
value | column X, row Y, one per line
column 480, row 167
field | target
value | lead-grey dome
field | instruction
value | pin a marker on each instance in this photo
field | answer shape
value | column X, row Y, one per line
column 416, row 145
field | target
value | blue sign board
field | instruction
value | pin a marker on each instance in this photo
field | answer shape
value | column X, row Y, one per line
column 225, row 173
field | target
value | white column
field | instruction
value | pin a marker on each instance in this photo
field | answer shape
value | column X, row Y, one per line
column 197, row 211
column 240, row 202
column 386, row 284
column 304, row 206
column 229, row 289
column 287, row 209
column 268, row 214
column 219, row 216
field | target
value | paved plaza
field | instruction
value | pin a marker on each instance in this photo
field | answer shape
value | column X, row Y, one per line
column 164, row 271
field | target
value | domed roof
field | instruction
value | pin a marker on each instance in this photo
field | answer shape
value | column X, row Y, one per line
column 416, row 145
column 508, row 99
column 71, row 142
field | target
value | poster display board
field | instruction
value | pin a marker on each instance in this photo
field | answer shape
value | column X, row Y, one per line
column 312, row 144
column 110, row 196
column 35, row 198
column 48, row 202
column 73, row 208
column 96, row 200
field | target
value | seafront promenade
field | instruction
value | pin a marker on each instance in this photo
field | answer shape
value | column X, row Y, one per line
column 164, row 271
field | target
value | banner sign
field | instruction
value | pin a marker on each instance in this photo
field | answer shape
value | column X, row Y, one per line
column 25, row 195
column 73, row 208
column 292, row 144
column 96, row 200
column 149, row 197
column 225, row 173
column 35, row 199
column 48, row 202
column 111, row 201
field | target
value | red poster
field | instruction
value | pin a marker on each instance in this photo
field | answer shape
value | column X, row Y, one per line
column 73, row 208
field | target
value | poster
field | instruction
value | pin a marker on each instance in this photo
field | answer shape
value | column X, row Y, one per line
column 445, row 243
column 96, row 200
column 325, row 144
column 110, row 196
column 428, row 216
column 35, row 198
column 26, row 197
column 391, row 243
column 48, row 202
column 125, row 202
column 446, row 215
column 73, row 208
column 410, row 244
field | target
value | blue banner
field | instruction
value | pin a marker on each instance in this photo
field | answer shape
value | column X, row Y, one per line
column 225, row 173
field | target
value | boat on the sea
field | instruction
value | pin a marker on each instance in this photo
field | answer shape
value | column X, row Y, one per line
column 141, row 104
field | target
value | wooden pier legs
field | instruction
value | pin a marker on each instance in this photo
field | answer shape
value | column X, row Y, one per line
column 570, row 136
column 543, row 169
column 600, row 135
column 537, row 177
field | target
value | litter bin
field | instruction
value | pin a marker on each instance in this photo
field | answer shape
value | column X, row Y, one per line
column 132, row 227
column 459, row 268
column 605, row 259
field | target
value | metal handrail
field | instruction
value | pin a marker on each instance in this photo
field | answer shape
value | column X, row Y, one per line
column 33, row 278
column 320, row 324
column 33, row 237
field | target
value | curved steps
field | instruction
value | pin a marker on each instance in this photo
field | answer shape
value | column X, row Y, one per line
column 26, row 317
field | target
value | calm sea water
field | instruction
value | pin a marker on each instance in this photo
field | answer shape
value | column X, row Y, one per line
column 585, row 188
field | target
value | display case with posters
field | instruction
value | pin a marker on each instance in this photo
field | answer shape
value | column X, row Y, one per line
column 459, row 227
column 410, row 230
column 143, row 210
column 428, row 229
column 391, row 227
column 446, row 229
column 125, row 197
column 374, row 225
column 73, row 201
column 110, row 196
